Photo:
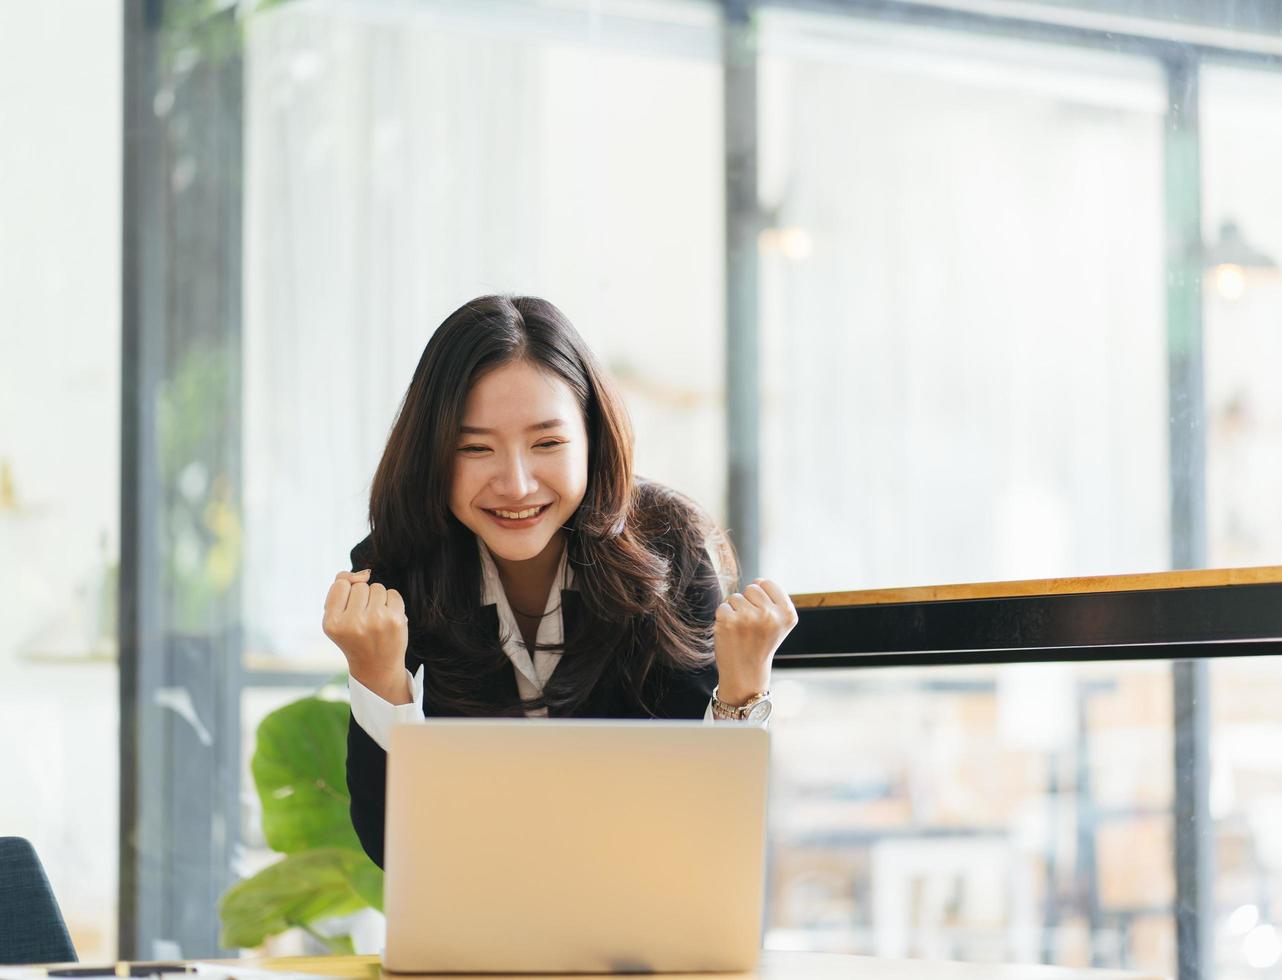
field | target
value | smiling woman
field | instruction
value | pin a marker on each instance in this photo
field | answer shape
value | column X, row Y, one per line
column 517, row 566
column 518, row 488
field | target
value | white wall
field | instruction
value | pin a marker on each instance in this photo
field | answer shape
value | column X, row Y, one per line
column 60, row 160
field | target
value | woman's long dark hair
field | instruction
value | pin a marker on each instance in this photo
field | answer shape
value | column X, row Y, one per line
column 637, row 548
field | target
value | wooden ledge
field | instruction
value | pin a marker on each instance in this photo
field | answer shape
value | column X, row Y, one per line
column 1194, row 579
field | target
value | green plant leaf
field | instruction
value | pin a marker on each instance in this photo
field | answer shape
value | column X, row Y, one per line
column 299, row 768
column 367, row 881
column 295, row 891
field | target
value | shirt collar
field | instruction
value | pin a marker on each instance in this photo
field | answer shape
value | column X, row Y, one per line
column 531, row 672
column 492, row 585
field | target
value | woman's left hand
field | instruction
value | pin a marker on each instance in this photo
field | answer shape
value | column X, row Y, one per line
column 749, row 628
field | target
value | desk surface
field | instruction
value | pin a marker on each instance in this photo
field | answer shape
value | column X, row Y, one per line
column 775, row 965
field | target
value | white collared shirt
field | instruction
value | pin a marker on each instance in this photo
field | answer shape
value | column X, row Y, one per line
column 377, row 716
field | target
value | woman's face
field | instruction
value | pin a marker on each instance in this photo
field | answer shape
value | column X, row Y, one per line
column 521, row 460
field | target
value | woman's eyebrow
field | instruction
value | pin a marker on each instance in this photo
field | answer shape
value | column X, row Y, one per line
column 472, row 430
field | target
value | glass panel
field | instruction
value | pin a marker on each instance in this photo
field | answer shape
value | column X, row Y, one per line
column 1018, row 813
column 1246, row 805
column 60, row 98
column 1242, row 211
column 962, row 295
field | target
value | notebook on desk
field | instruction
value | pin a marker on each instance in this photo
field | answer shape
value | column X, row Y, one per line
column 521, row 846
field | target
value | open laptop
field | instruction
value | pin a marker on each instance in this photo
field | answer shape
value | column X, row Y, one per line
column 521, row 846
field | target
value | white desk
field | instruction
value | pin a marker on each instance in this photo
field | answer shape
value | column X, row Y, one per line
column 774, row 966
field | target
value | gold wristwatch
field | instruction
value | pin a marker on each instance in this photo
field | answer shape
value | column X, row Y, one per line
column 757, row 709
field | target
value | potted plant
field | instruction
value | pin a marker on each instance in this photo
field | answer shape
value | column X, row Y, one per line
column 299, row 771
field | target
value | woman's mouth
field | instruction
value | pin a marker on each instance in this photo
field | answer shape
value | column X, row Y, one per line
column 524, row 517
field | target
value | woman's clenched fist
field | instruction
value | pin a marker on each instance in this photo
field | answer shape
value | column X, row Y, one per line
column 368, row 624
column 749, row 628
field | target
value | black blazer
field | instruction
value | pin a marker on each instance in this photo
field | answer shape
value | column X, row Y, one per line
column 672, row 694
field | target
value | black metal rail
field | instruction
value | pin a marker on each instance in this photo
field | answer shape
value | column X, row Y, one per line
column 1158, row 624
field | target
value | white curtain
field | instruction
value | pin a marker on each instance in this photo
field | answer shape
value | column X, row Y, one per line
column 404, row 157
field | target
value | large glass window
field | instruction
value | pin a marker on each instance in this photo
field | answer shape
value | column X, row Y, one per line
column 962, row 295
column 1019, row 813
column 992, row 260
column 400, row 160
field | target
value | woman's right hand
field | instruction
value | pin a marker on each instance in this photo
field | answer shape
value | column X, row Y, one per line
column 368, row 623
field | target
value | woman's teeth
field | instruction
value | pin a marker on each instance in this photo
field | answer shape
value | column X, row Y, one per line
column 518, row 515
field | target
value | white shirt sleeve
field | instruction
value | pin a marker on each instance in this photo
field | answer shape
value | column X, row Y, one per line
column 377, row 716
column 707, row 715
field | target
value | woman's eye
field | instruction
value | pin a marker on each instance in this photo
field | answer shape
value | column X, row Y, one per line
column 477, row 450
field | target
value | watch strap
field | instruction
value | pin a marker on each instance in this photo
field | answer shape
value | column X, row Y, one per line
column 731, row 712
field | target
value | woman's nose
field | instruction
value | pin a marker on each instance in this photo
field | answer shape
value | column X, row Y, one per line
column 516, row 481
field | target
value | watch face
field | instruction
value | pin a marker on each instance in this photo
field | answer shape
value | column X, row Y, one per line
column 759, row 712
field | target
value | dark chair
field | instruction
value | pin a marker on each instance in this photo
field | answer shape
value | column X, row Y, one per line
column 31, row 926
